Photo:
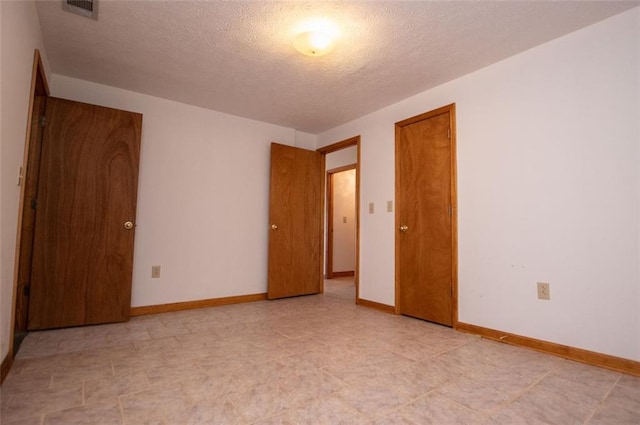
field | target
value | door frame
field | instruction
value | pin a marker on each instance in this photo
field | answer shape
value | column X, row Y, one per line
column 334, row 147
column 39, row 87
column 329, row 261
column 451, row 109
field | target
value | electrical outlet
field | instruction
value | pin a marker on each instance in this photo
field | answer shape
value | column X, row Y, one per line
column 155, row 272
column 543, row 291
column 389, row 206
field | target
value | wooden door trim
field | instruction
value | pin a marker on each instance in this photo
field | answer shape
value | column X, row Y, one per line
column 451, row 109
column 338, row 146
column 341, row 169
column 39, row 87
column 330, row 273
column 347, row 143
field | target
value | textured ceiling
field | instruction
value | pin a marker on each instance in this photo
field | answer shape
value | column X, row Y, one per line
column 237, row 57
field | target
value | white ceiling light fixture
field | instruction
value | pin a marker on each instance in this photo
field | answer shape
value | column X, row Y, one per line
column 316, row 37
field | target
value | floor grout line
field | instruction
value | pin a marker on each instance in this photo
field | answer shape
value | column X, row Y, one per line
column 601, row 401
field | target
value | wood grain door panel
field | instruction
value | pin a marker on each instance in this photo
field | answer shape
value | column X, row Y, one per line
column 424, row 252
column 83, row 255
column 295, row 207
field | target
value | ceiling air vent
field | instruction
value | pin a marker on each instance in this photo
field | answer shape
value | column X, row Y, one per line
column 87, row 8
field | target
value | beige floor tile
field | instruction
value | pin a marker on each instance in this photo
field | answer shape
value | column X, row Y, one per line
column 300, row 345
column 437, row 410
column 373, row 401
column 216, row 365
column 214, row 412
column 356, row 373
column 137, row 362
column 596, row 380
column 100, row 390
column 155, row 345
column 474, row 395
column 625, row 397
column 154, row 405
column 413, row 350
column 542, row 406
column 576, row 389
column 411, row 382
column 473, row 355
column 307, row 360
column 329, row 410
column 614, row 414
column 630, row 381
column 394, row 418
column 506, row 380
column 168, row 374
column 31, row 420
column 94, row 414
column 42, row 402
column 16, row 383
column 261, row 401
column 437, row 372
column 309, row 386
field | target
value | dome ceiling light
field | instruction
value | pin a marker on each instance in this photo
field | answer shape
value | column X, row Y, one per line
column 315, row 37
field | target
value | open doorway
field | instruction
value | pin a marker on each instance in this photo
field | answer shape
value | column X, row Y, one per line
column 341, row 221
column 342, row 217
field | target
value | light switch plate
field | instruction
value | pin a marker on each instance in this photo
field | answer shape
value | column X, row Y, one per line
column 389, row 206
column 155, row 272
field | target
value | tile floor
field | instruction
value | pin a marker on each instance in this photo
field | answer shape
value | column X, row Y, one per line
column 309, row 360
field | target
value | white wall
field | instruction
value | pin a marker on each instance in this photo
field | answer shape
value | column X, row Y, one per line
column 20, row 36
column 202, row 197
column 305, row 140
column 346, row 156
column 548, row 189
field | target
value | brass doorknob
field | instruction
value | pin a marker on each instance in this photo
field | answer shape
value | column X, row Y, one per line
column 404, row 228
column 274, row 227
column 128, row 225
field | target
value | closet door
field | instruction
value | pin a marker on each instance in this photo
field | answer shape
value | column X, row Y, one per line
column 425, row 217
column 85, row 214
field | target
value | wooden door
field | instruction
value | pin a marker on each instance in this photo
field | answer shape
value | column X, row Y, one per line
column 295, row 220
column 425, row 195
column 83, row 244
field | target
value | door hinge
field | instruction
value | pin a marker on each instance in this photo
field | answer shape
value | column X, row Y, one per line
column 34, row 204
column 42, row 120
column 451, row 288
column 449, row 133
column 450, row 208
column 26, row 290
